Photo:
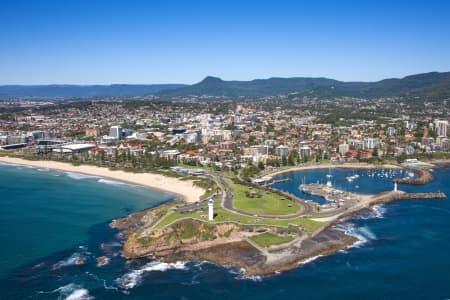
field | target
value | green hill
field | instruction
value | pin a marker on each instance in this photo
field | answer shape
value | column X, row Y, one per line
column 429, row 85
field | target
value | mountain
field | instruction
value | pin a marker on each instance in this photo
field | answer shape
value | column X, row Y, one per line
column 429, row 86
column 82, row 91
column 432, row 85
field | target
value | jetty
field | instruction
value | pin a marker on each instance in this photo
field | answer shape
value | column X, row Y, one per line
column 386, row 197
column 424, row 177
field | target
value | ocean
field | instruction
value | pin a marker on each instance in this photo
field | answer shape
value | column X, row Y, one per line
column 49, row 220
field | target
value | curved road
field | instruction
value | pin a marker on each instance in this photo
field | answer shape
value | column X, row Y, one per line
column 227, row 203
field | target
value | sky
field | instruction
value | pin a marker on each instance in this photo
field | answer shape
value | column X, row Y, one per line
column 129, row 41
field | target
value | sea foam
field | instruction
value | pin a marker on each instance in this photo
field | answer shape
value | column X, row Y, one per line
column 108, row 181
column 72, row 260
column 71, row 291
column 80, row 294
column 79, row 176
column 133, row 278
column 311, row 259
column 363, row 234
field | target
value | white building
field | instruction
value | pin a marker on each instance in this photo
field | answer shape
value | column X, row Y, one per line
column 370, row 143
column 74, row 148
column 260, row 149
column 344, row 148
column 390, row 131
column 282, row 150
column 115, row 132
column 211, row 210
column 305, row 152
column 441, row 127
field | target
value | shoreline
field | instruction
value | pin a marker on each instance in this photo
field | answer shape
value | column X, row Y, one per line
column 238, row 250
column 183, row 189
column 333, row 166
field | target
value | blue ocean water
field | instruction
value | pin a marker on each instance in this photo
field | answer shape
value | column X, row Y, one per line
column 402, row 254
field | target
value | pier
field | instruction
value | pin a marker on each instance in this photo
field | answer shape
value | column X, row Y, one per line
column 386, row 197
column 346, row 203
column 278, row 181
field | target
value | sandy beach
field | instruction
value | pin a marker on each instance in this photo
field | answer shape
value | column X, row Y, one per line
column 182, row 188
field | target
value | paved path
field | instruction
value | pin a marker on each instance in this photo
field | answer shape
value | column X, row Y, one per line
column 227, row 203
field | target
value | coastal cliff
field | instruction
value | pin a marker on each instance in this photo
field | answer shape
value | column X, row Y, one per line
column 258, row 249
column 225, row 243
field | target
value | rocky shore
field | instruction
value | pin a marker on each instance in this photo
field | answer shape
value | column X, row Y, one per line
column 231, row 244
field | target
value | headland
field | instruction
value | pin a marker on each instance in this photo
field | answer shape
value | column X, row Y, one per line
column 255, row 228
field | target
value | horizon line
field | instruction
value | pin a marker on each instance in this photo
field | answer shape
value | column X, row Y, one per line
column 208, row 76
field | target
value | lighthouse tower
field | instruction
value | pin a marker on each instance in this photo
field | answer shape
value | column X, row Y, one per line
column 210, row 210
column 395, row 186
column 329, row 185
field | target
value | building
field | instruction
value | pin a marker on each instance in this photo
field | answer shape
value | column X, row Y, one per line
column 305, row 152
column 260, row 150
column 38, row 135
column 92, row 132
column 211, row 210
column 344, row 148
column 74, row 148
column 115, row 132
column 282, row 151
column 441, row 127
column 390, row 131
column 370, row 143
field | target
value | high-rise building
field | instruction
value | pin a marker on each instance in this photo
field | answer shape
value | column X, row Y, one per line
column 370, row 143
column 305, row 152
column 282, row 151
column 115, row 132
column 344, row 148
column 441, row 127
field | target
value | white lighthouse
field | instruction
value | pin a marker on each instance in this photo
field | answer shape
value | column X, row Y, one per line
column 395, row 186
column 210, row 210
column 329, row 185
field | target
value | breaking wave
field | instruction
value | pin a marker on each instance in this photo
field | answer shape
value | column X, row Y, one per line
column 134, row 278
column 308, row 260
column 79, row 294
column 71, row 291
column 79, row 176
column 108, row 181
column 76, row 258
column 376, row 212
column 363, row 234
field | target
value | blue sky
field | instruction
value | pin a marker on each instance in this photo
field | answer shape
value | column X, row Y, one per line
column 102, row 42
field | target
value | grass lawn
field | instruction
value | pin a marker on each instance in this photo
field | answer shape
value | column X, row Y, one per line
column 269, row 203
column 268, row 239
column 223, row 215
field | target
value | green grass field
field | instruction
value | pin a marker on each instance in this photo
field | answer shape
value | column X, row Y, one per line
column 223, row 216
column 268, row 204
column 267, row 239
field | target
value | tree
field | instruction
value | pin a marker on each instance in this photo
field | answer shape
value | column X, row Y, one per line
column 261, row 165
column 375, row 152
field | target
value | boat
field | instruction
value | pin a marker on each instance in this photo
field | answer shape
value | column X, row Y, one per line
column 351, row 178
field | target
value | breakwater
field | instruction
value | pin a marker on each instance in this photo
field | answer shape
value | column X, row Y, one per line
column 424, row 177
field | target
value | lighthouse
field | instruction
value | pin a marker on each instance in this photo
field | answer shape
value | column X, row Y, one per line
column 329, row 185
column 210, row 210
column 395, row 186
